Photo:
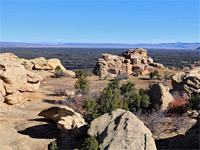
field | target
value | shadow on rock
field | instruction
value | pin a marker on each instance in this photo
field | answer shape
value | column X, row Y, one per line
column 144, row 79
column 47, row 120
column 188, row 141
column 54, row 101
column 45, row 131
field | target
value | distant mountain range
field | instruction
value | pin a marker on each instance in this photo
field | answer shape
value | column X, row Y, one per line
column 178, row 45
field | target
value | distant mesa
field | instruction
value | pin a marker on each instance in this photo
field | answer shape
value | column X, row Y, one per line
column 175, row 45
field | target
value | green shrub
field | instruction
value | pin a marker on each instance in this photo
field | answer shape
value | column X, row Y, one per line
column 91, row 109
column 81, row 73
column 90, row 144
column 167, row 77
column 114, row 84
column 111, row 99
column 127, row 88
column 153, row 74
column 58, row 68
column 194, row 102
column 53, row 145
column 138, row 102
column 82, row 84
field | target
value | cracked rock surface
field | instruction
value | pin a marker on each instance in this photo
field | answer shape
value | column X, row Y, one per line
column 121, row 129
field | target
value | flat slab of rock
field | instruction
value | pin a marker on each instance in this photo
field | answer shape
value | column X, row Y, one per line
column 121, row 130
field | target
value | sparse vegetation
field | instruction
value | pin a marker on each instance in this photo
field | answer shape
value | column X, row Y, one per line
column 58, row 68
column 114, row 97
column 59, row 91
column 53, row 145
column 194, row 102
column 82, row 84
column 90, row 144
column 154, row 74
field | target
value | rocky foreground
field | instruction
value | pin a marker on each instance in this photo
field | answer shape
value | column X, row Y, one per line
column 32, row 115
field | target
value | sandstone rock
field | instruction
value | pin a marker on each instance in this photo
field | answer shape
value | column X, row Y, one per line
column 2, row 89
column 145, row 72
column 5, row 147
column 68, row 73
column 28, row 64
column 158, row 65
column 13, row 75
column 41, row 64
column 160, row 96
column 30, row 87
column 188, row 81
column 14, row 98
column 54, row 63
column 69, row 93
column 33, row 77
column 8, row 56
column 67, row 119
column 133, row 60
column 120, row 130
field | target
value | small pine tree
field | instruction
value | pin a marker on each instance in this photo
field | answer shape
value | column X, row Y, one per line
column 127, row 88
column 82, row 84
column 194, row 102
column 81, row 73
column 90, row 144
column 91, row 109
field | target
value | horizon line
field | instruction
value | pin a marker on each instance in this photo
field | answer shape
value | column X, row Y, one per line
column 98, row 42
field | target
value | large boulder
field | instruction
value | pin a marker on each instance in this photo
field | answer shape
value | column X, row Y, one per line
column 67, row 119
column 14, row 98
column 160, row 96
column 54, row 63
column 33, row 77
column 188, row 81
column 41, row 64
column 120, row 130
column 13, row 75
column 2, row 89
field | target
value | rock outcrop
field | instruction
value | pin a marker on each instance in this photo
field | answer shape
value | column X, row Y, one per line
column 41, row 64
column 38, row 63
column 188, row 81
column 67, row 119
column 14, row 78
column 160, row 96
column 121, row 129
column 133, row 60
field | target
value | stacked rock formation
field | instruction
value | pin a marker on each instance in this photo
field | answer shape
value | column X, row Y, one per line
column 188, row 81
column 14, row 79
column 133, row 60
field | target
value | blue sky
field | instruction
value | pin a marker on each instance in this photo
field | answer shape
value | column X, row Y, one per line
column 100, row 21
